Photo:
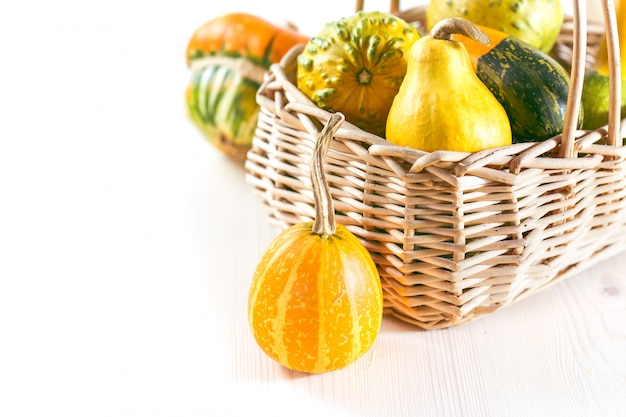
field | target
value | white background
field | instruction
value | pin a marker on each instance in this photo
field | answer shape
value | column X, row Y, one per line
column 127, row 244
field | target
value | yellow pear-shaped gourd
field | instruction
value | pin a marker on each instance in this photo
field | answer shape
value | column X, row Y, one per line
column 442, row 104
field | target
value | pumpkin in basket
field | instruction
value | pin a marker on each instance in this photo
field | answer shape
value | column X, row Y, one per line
column 315, row 302
column 537, row 22
column 228, row 57
column 595, row 97
column 356, row 65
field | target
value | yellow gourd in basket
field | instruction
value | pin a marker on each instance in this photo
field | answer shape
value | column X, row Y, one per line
column 315, row 302
column 356, row 65
column 537, row 22
column 442, row 104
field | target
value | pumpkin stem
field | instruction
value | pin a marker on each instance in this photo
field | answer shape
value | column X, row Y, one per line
column 444, row 29
column 324, row 224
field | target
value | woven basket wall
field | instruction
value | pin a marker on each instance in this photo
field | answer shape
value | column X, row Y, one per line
column 454, row 235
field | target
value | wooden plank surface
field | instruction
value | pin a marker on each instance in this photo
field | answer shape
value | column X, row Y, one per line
column 127, row 245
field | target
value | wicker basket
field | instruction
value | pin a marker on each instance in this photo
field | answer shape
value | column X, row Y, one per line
column 455, row 235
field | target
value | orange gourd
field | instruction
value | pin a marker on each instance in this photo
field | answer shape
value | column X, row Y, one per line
column 228, row 57
column 315, row 302
column 243, row 35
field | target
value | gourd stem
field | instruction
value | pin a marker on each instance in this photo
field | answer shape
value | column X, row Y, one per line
column 445, row 28
column 324, row 223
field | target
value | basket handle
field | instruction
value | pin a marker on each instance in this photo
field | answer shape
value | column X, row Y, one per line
column 394, row 6
column 615, row 72
column 579, row 49
column 577, row 75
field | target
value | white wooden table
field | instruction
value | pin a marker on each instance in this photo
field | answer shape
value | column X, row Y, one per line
column 127, row 245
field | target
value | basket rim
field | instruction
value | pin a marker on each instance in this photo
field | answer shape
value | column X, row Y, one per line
column 588, row 154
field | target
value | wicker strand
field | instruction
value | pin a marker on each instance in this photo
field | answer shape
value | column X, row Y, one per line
column 394, row 6
column 615, row 77
column 576, row 79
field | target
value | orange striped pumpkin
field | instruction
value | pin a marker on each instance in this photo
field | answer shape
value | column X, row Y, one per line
column 315, row 302
column 243, row 35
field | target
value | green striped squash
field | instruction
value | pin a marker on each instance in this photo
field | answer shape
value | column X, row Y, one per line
column 228, row 56
column 531, row 86
column 221, row 103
